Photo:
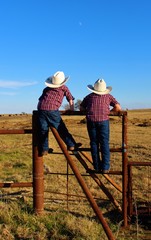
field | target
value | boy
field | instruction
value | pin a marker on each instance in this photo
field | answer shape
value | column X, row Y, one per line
column 49, row 115
column 97, row 106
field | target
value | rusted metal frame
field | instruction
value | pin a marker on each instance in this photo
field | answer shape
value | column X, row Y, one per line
column 99, row 183
column 111, row 149
column 65, row 174
column 15, row 131
column 131, row 211
column 81, row 113
column 106, row 192
column 114, row 184
column 14, row 185
column 124, row 169
column 88, row 157
column 105, row 175
column 38, row 166
column 84, row 186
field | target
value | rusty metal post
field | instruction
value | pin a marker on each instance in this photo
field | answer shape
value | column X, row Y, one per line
column 38, row 174
column 83, row 186
column 124, row 168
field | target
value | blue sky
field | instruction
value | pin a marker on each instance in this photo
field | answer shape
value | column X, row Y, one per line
column 87, row 39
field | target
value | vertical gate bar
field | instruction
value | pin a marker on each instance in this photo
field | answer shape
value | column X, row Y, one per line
column 124, row 168
column 38, row 173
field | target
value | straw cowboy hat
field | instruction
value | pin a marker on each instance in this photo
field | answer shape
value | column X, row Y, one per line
column 57, row 80
column 99, row 87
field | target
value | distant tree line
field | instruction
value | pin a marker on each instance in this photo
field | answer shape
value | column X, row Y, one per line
column 76, row 105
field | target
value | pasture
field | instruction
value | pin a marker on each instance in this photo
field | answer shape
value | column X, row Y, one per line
column 67, row 213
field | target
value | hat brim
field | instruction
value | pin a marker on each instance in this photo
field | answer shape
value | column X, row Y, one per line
column 91, row 88
column 49, row 83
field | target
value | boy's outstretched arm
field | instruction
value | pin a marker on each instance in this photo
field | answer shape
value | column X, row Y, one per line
column 71, row 104
column 116, row 108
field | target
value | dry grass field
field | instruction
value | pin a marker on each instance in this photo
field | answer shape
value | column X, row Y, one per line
column 67, row 212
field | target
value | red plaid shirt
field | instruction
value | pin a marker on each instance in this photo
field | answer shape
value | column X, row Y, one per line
column 98, row 106
column 51, row 98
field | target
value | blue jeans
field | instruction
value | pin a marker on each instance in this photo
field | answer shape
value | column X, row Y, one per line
column 99, row 139
column 52, row 118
